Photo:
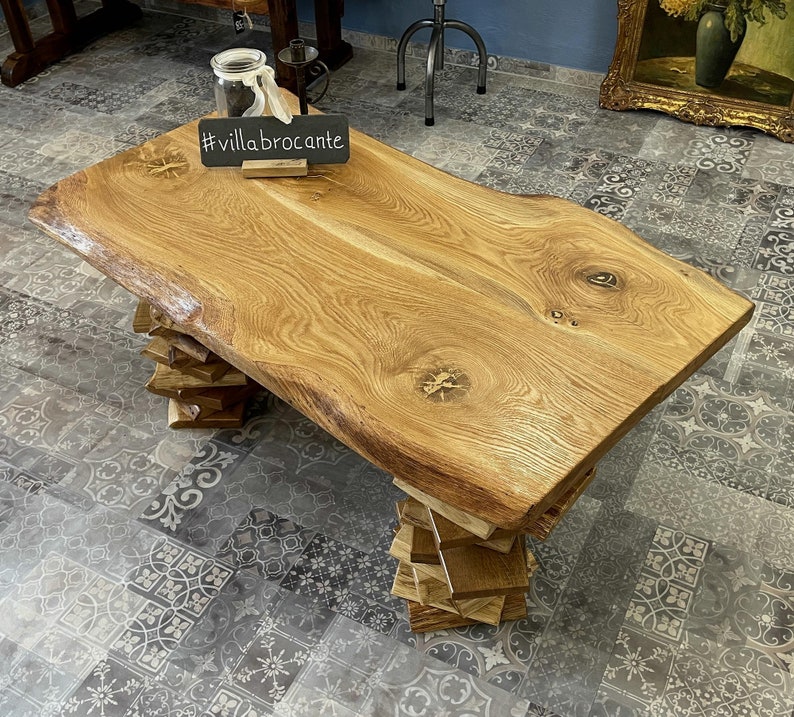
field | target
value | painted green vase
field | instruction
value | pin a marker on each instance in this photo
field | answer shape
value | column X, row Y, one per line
column 715, row 51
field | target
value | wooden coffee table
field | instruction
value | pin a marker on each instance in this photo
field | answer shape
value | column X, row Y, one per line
column 486, row 349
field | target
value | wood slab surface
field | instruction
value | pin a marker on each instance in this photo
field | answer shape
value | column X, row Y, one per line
column 485, row 348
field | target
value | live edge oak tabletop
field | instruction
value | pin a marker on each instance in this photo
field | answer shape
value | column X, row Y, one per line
column 487, row 349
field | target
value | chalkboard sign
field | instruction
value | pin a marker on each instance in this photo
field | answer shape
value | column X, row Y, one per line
column 320, row 139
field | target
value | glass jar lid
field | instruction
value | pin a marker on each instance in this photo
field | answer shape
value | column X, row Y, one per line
column 238, row 62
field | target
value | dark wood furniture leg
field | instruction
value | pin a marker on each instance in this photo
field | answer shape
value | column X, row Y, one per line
column 283, row 28
column 69, row 34
column 334, row 51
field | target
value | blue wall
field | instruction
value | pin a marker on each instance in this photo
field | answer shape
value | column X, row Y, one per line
column 572, row 33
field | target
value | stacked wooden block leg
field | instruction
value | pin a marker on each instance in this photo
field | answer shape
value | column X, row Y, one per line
column 204, row 391
column 456, row 569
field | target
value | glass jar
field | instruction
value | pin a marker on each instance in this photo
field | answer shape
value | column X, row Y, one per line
column 244, row 85
column 237, row 73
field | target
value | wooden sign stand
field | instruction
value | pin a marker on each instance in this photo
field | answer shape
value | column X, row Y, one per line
column 275, row 168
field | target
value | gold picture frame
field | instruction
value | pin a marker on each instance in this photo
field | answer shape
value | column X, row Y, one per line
column 653, row 68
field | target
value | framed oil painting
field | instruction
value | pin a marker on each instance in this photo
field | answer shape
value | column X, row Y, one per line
column 713, row 63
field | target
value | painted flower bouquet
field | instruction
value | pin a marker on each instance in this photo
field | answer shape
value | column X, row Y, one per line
column 737, row 12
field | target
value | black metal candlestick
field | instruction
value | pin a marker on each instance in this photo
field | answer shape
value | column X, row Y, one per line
column 299, row 55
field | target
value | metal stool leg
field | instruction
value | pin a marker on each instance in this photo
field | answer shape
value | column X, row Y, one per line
column 439, row 22
column 403, row 45
column 435, row 54
column 474, row 35
column 432, row 53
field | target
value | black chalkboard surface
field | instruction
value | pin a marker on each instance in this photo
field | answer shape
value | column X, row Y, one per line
column 320, row 139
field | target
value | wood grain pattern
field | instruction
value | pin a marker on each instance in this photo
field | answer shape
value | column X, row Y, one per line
column 411, row 512
column 434, row 593
column 473, row 571
column 403, row 585
column 161, row 351
column 542, row 526
column 451, row 535
column 157, row 350
column 401, row 549
column 252, row 168
column 220, row 398
column 212, row 371
column 487, row 610
column 166, row 378
column 429, row 590
column 184, row 343
column 466, row 521
column 500, row 545
column 142, row 321
column 423, row 547
column 180, row 417
column 485, row 348
column 424, row 618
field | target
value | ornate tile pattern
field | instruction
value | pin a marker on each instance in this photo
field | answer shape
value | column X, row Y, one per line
column 324, row 571
column 245, row 573
column 265, row 544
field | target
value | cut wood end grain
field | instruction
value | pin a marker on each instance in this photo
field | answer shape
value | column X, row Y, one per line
column 425, row 618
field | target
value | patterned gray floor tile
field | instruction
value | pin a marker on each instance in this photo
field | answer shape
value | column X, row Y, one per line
column 497, row 655
column 618, row 470
column 775, row 323
column 343, row 667
column 150, row 637
column 722, row 433
column 180, row 578
column 638, row 667
column 180, row 510
column 24, row 156
column 770, row 161
column 565, row 675
column 613, row 550
column 101, row 363
column 412, row 684
column 775, row 541
column 265, row 544
column 697, row 686
column 71, row 655
column 159, row 701
column 18, row 494
column 775, row 251
column 723, row 151
column 271, row 663
column 324, row 571
column 617, row 132
column 101, row 611
column 111, row 688
column 705, row 509
column 305, row 615
column 612, row 703
column 265, row 482
column 41, row 682
column 222, row 634
column 124, row 471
